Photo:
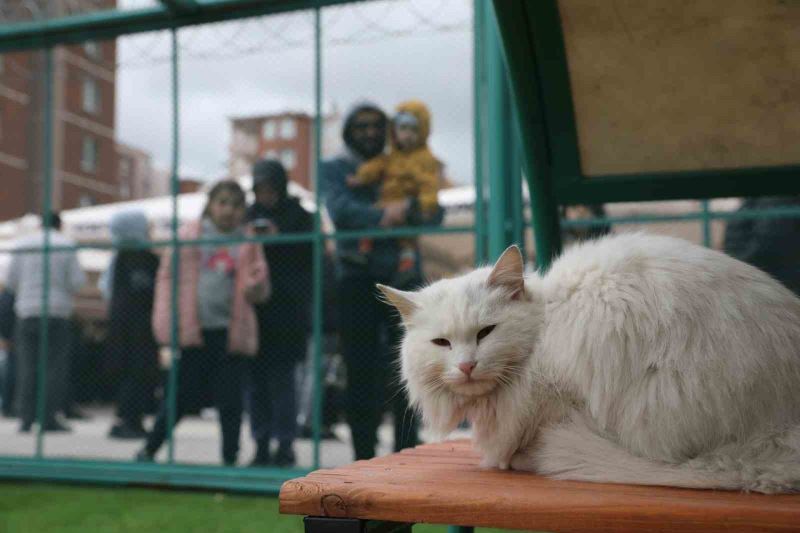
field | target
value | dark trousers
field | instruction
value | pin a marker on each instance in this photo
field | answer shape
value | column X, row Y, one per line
column 71, row 379
column 27, row 338
column 370, row 335
column 273, row 401
column 210, row 368
column 135, row 395
column 133, row 361
column 9, row 381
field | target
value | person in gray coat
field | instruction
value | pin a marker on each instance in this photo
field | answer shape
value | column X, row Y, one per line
column 26, row 282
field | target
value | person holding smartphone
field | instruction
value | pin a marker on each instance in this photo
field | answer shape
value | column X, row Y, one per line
column 284, row 321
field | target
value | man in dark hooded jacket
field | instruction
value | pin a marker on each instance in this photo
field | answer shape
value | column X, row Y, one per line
column 284, row 320
column 369, row 329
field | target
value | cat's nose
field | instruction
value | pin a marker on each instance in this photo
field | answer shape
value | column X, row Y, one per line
column 467, row 367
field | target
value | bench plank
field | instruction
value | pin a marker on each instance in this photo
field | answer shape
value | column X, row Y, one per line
column 442, row 484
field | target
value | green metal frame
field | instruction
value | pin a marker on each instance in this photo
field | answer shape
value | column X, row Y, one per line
column 317, row 318
column 129, row 473
column 175, row 187
column 479, row 120
column 500, row 138
column 531, row 120
column 44, row 326
column 181, row 6
column 537, row 61
column 109, row 24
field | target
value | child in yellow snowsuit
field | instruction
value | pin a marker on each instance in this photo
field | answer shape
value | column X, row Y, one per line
column 409, row 170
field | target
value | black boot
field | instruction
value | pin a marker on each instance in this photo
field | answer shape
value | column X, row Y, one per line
column 56, row 426
column 127, row 431
column 144, row 456
column 262, row 456
column 284, row 457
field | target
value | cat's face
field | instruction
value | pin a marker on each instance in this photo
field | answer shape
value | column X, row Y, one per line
column 467, row 337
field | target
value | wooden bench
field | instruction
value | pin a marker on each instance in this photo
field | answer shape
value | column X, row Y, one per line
column 442, row 484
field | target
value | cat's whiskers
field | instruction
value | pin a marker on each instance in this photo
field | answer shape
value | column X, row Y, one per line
column 435, row 384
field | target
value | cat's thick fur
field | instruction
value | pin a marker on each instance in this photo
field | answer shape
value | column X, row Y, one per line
column 635, row 359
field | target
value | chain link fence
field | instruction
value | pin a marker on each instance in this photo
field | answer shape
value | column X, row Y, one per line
column 242, row 381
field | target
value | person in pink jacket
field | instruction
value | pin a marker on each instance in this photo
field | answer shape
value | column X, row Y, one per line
column 218, row 285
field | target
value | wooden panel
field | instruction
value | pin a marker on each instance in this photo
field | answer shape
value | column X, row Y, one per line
column 685, row 84
column 442, row 484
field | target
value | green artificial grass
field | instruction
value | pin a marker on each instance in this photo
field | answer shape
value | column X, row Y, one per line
column 36, row 508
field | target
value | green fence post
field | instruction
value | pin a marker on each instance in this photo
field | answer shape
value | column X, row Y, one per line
column 706, row 222
column 479, row 123
column 517, row 205
column 531, row 123
column 500, row 140
column 47, row 215
column 174, row 368
column 316, row 413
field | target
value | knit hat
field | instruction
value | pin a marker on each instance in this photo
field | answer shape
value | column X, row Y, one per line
column 130, row 225
column 271, row 172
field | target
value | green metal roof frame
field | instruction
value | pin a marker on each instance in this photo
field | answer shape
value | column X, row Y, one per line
column 170, row 14
column 534, row 45
column 180, row 6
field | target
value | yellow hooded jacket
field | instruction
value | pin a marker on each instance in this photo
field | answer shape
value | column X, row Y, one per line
column 410, row 173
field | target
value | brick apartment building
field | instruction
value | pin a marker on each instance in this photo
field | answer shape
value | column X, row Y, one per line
column 83, row 146
column 136, row 176
column 15, row 120
column 89, row 166
column 286, row 136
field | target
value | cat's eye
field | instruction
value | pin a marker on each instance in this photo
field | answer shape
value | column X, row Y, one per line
column 441, row 342
column 485, row 331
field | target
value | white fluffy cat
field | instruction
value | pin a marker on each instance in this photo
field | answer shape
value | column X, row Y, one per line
column 636, row 359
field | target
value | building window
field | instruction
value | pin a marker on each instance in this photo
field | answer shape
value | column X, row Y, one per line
column 270, row 129
column 124, row 168
column 93, row 50
column 271, row 154
column 124, row 190
column 89, row 155
column 288, row 158
column 86, row 200
column 91, row 96
column 288, row 128
column 244, row 143
column 2, row 64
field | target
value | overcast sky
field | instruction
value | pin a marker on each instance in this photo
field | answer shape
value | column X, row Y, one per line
column 387, row 52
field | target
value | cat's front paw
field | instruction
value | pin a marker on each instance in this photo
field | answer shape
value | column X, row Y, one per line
column 487, row 463
column 491, row 463
column 522, row 461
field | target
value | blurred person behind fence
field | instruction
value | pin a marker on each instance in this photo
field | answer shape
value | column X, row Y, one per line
column 218, row 286
column 409, row 172
column 769, row 243
column 131, row 352
column 369, row 329
column 575, row 234
column 25, row 281
column 284, row 320
column 7, row 357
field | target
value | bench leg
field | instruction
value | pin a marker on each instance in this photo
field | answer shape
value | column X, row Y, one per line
column 323, row 524
column 460, row 529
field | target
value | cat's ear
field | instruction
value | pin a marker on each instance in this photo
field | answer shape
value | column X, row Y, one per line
column 508, row 272
column 403, row 301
